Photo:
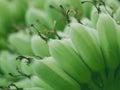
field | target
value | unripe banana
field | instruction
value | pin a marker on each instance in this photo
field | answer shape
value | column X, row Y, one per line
column 24, row 83
column 117, row 14
column 8, row 64
column 27, row 68
column 108, row 36
column 87, row 7
column 21, row 43
column 38, row 82
column 56, row 15
column 39, row 18
column 86, row 43
column 50, row 73
column 95, row 14
column 39, row 46
column 69, row 60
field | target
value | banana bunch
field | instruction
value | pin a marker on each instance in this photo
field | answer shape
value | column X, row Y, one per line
column 76, row 47
column 89, row 57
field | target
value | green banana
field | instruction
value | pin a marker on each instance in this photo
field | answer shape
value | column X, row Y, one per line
column 39, row 18
column 86, row 43
column 21, row 43
column 108, row 36
column 38, row 82
column 69, row 61
column 39, row 46
column 117, row 14
column 50, row 73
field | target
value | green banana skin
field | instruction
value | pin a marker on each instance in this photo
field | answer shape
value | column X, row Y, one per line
column 39, row 46
column 48, row 66
column 20, row 42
